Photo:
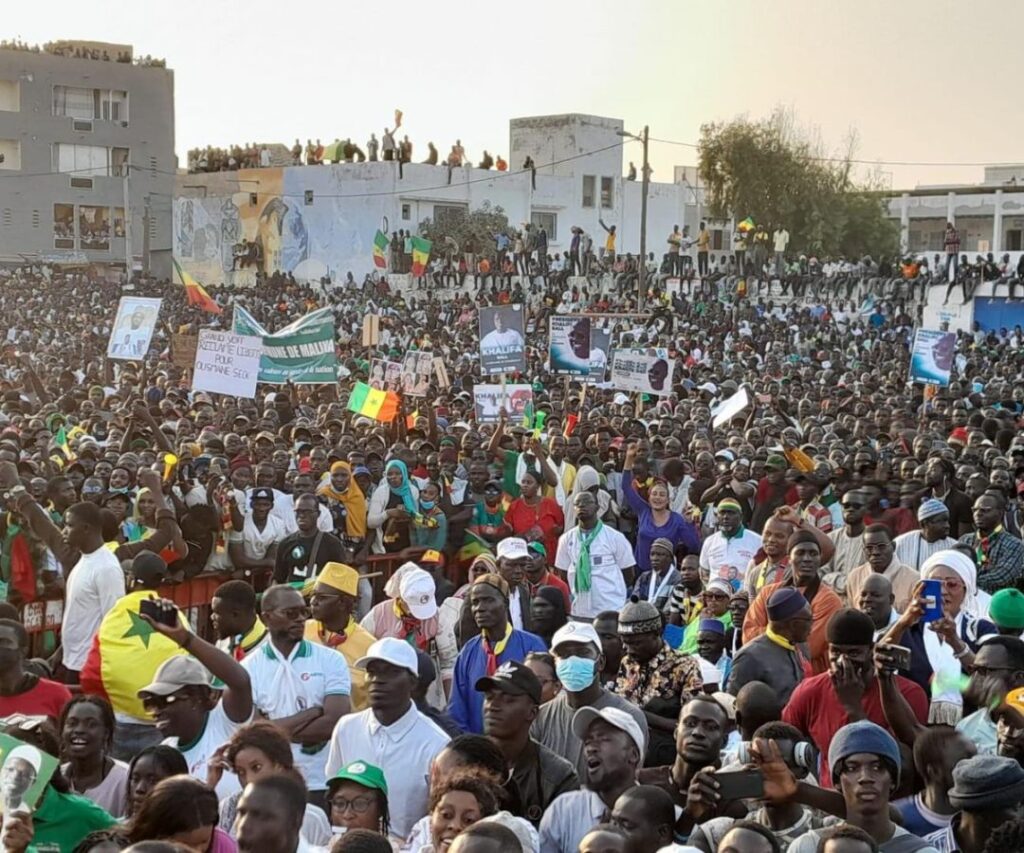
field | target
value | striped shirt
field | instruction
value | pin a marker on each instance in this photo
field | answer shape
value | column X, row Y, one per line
column 912, row 549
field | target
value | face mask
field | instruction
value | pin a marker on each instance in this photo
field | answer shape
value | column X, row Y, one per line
column 575, row 673
column 428, row 504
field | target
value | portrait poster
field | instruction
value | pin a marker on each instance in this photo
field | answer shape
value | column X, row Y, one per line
column 417, row 370
column 487, row 400
column 931, row 358
column 600, row 350
column 502, row 342
column 385, row 375
column 648, row 370
column 133, row 328
column 569, row 345
column 25, row 771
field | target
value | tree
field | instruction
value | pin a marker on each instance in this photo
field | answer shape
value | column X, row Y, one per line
column 461, row 231
column 777, row 174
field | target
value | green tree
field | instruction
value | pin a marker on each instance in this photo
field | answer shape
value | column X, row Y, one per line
column 777, row 174
column 459, row 230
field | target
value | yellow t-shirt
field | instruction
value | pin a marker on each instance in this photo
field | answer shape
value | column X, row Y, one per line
column 609, row 243
column 357, row 641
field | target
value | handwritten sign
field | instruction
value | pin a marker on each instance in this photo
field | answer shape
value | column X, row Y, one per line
column 183, row 350
column 227, row 363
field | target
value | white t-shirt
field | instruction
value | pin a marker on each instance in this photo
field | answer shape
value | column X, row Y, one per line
column 728, row 558
column 781, row 238
column 610, row 554
column 282, row 687
column 257, row 542
column 93, row 587
column 500, row 340
column 215, row 734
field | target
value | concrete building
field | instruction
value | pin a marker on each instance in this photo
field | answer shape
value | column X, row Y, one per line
column 88, row 157
column 989, row 215
column 319, row 220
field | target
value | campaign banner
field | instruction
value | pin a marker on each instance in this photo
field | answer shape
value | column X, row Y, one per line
column 183, row 350
column 488, row 401
column 25, row 771
column 502, row 343
column 931, row 358
column 600, row 350
column 647, row 370
column 227, row 363
column 569, row 345
column 303, row 351
column 133, row 328
column 385, row 375
column 417, row 368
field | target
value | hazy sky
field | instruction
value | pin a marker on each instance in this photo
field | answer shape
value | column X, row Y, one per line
column 920, row 80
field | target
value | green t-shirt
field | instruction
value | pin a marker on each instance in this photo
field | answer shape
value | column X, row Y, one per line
column 61, row 821
column 508, row 474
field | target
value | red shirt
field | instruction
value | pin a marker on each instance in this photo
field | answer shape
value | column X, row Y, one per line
column 899, row 520
column 47, row 698
column 814, row 708
column 550, row 579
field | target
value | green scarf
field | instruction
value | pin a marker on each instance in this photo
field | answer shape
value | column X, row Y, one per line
column 583, row 567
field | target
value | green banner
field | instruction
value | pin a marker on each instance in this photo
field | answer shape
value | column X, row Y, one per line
column 302, row 351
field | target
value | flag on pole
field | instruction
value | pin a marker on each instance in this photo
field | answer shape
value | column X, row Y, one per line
column 380, row 248
column 196, row 293
column 372, row 403
column 746, row 225
column 420, row 255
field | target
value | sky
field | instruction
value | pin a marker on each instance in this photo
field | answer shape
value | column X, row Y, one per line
column 919, row 81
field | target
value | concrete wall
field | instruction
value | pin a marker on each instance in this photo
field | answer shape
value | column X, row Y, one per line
column 989, row 219
column 27, row 82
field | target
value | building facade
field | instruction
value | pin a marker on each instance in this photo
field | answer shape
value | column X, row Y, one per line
column 320, row 220
column 87, row 145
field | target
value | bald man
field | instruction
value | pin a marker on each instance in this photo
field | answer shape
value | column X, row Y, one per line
column 877, row 600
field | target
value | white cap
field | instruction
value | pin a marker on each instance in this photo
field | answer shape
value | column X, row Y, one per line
column 512, row 548
column 26, row 753
column 394, row 651
column 417, row 591
column 585, row 717
column 710, row 387
column 620, row 399
column 575, row 632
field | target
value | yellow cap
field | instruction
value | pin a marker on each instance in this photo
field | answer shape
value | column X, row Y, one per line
column 340, row 577
column 431, row 556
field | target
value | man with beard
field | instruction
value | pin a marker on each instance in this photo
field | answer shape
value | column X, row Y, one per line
column 913, row 548
column 302, row 555
column 848, row 542
column 938, row 477
column 998, row 671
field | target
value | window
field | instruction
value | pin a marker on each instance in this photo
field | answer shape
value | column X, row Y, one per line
column 82, row 160
column 94, row 227
column 119, row 162
column 10, row 96
column 717, row 241
column 80, row 103
column 547, row 221
column 406, row 211
column 64, row 226
column 446, row 215
column 118, row 213
column 589, row 183
column 1013, row 240
column 607, row 193
column 114, row 106
column 10, row 154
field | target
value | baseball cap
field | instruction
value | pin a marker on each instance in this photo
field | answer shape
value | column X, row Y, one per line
column 261, row 493
column 367, row 775
column 537, row 548
column 513, row 678
column 512, row 548
column 340, row 577
column 584, row 718
column 432, row 556
column 775, row 461
column 175, row 673
column 575, row 632
column 393, row 651
column 417, row 591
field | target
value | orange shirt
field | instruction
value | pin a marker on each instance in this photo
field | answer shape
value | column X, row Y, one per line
column 825, row 603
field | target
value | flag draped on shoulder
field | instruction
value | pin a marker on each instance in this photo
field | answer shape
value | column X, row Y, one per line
column 196, row 293
column 125, row 655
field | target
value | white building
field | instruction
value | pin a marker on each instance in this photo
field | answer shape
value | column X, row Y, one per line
column 318, row 220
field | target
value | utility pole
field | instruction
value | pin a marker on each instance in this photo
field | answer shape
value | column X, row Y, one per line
column 145, row 238
column 643, row 225
column 127, row 202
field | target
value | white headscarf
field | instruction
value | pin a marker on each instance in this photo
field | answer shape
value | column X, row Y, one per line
column 963, row 566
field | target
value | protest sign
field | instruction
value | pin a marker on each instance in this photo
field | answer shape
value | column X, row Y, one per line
column 417, row 368
column 183, row 350
column 600, row 349
column 385, row 375
column 931, row 358
column 487, row 400
column 25, row 771
column 303, row 351
column 133, row 328
column 569, row 345
column 728, row 409
column 502, row 344
column 646, row 370
column 227, row 363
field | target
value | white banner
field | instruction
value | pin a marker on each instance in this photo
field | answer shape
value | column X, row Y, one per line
column 227, row 363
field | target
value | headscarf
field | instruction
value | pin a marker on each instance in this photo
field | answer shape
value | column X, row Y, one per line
column 136, row 516
column 963, row 566
column 404, row 491
column 352, row 499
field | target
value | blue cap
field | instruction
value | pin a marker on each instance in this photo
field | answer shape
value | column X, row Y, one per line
column 785, row 602
column 361, row 469
column 713, row 626
column 931, row 508
column 862, row 737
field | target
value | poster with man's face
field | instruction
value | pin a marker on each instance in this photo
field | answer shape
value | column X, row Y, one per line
column 25, row 771
column 488, row 400
column 648, row 370
column 133, row 328
column 417, row 369
column 931, row 358
column 569, row 345
column 385, row 375
column 502, row 343
column 600, row 349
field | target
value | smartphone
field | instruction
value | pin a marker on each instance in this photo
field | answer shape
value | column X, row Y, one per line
column 932, row 593
column 740, row 784
column 149, row 607
column 900, row 656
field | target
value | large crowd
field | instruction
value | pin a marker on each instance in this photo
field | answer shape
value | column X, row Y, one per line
column 619, row 624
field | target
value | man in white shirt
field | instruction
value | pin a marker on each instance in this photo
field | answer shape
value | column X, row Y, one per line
column 513, row 559
column 500, row 338
column 727, row 552
column 913, row 548
column 598, row 561
column 391, row 734
column 301, row 687
column 94, row 585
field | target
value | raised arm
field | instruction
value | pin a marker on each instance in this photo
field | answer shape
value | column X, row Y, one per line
column 494, row 448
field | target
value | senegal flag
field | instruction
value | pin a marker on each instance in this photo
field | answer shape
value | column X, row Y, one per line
column 746, row 225
column 380, row 250
column 196, row 293
column 125, row 655
column 371, row 403
column 420, row 255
